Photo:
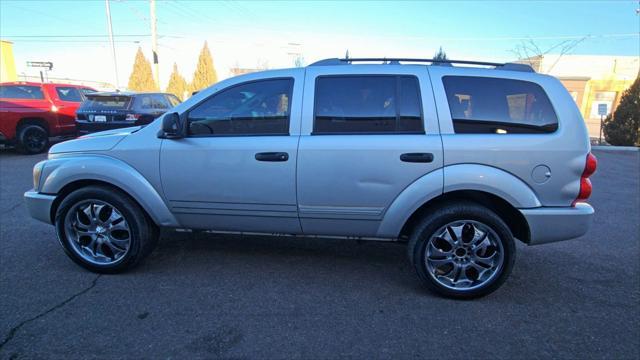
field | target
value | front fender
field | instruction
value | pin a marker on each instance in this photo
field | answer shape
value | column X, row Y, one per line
column 59, row 172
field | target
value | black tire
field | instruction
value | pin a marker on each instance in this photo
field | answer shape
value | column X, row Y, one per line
column 143, row 232
column 32, row 139
column 449, row 213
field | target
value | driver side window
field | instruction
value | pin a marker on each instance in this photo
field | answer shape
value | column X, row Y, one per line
column 253, row 108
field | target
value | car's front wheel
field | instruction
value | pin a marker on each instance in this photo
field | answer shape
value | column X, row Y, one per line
column 104, row 230
column 462, row 250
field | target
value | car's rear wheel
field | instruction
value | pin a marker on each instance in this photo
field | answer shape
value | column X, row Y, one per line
column 463, row 250
column 104, row 230
column 32, row 139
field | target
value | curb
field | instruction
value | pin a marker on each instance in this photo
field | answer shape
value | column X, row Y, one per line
column 615, row 148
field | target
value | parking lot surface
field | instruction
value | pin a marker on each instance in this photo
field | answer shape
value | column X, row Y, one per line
column 209, row 296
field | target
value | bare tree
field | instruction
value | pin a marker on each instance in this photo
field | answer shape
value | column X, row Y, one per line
column 530, row 52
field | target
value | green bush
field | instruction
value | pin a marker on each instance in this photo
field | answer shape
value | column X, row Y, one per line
column 623, row 128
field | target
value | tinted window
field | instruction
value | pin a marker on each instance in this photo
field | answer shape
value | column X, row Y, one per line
column 21, row 92
column 151, row 102
column 105, row 102
column 69, row 94
column 173, row 100
column 87, row 91
column 490, row 105
column 367, row 104
column 260, row 107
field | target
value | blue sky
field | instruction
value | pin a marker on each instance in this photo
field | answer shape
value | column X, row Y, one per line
column 261, row 33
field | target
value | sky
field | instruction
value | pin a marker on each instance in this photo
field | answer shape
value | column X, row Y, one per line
column 271, row 34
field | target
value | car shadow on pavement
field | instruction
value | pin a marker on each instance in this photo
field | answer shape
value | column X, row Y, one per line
column 352, row 263
column 305, row 258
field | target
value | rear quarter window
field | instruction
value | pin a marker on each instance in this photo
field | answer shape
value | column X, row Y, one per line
column 481, row 105
column 24, row 92
column 151, row 102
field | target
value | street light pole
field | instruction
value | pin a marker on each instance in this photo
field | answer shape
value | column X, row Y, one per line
column 113, row 47
column 154, row 42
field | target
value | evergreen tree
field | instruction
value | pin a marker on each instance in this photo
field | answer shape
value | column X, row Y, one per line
column 205, row 74
column 177, row 84
column 440, row 55
column 141, row 78
column 623, row 128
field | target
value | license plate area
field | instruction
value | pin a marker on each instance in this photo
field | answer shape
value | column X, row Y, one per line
column 100, row 118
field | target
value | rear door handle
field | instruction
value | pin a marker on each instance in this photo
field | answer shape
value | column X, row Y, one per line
column 272, row 156
column 417, row 157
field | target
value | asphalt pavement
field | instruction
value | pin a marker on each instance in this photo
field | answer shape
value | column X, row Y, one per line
column 221, row 296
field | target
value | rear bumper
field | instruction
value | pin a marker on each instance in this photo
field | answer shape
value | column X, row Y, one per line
column 39, row 205
column 87, row 127
column 547, row 224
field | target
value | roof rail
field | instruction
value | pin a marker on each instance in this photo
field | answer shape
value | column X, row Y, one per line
column 396, row 61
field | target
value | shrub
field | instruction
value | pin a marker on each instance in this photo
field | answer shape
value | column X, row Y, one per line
column 623, row 128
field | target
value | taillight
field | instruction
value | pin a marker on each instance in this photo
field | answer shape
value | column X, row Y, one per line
column 132, row 117
column 585, row 184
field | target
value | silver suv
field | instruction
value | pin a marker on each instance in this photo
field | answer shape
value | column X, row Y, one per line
column 457, row 161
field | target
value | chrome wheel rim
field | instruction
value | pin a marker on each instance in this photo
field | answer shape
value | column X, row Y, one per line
column 97, row 232
column 464, row 255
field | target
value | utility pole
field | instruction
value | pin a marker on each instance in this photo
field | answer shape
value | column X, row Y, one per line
column 113, row 47
column 154, row 43
column 638, row 14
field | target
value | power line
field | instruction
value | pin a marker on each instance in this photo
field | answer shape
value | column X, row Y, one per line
column 71, row 36
column 80, row 41
column 85, row 36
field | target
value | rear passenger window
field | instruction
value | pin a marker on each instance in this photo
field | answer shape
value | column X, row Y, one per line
column 21, row 92
column 481, row 105
column 367, row 104
column 69, row 94
column 253, row 108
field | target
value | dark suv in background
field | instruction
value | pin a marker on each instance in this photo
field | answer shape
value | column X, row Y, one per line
column 112, row 110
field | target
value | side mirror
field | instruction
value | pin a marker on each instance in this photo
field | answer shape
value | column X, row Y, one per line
column 171, row 128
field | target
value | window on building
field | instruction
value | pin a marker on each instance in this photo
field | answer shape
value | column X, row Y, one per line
column 600, row 98
column 492, row 105
column 367, row 104
column 253, row 108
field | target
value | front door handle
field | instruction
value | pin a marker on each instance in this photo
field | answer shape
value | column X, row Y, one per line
column 417, row 157
column 272, row 156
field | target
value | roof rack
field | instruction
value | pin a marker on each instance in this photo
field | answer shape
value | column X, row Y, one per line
column 396, row 61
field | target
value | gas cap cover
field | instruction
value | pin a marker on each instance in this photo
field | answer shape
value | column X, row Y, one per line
column 541, row 174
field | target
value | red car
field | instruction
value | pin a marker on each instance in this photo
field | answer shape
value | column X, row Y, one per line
column 31, row 113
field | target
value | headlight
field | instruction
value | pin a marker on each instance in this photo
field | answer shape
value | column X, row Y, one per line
column 37, row 171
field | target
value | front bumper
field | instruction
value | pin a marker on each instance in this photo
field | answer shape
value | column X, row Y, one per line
column 39, row 205
column 547, row 224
